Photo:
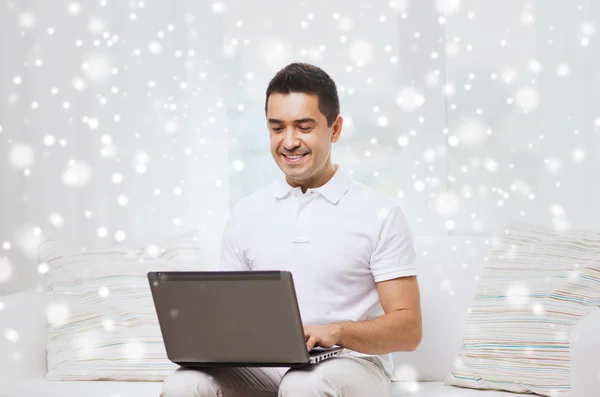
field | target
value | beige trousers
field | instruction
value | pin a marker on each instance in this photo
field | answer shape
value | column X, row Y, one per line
column 342, row 376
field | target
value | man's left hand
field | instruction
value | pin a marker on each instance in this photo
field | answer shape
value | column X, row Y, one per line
column 322, row 335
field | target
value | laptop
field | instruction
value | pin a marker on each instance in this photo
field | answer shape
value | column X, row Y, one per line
column 232, row 319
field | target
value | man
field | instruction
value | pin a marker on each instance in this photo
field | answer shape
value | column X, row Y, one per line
column 349, row 249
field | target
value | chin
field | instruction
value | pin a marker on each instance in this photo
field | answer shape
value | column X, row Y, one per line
column 296, row 173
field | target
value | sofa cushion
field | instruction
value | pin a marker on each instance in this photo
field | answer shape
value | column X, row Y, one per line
column 48, row 388
column 439, row 389
column 101, row 321
column 585, row 350
column 22, row 335
column 537, row 285
column 45, row 388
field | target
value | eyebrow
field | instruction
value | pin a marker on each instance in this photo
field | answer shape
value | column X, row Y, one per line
column 299, row 121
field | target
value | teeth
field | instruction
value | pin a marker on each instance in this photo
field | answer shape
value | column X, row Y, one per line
column 294, row 157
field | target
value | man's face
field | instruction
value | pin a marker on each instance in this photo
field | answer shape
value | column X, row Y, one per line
column 300, row 139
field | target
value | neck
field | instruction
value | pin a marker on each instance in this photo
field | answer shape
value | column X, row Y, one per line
column 318, row 180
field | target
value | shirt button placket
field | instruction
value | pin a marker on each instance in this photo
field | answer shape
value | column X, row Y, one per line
column 301, row 230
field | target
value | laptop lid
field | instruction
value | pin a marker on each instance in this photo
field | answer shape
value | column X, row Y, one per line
column 244, row 318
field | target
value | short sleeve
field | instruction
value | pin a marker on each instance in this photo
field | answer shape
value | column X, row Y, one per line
column 232, row 253
column 394, row 254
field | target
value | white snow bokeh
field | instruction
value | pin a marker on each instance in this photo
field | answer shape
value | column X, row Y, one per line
column 275, row 53
column 553, row 164
column 96, row 25
column 471, row 132
column 101, row 232
column 218, row 7
column 453, row 48
column 141, row 161
column 538, row 309
column 408, row 376
column 559, row 217
column 85, row 343
column 97, row 67
column 119, row 236
column 27, row 20
column 77, row 173
column 56, row 219
column 152, row 250
column 588, row 29
column 122, row 200
column 57, row 314
column 527, row 15
column 410, row 99
column 527, row 99
column 103, row 292
column 447, row 286
column 238, row 165
column 29, row 238
column 447, row 204
column 433, row 78
column 518, row 294
column 21, row 155
column 171, row 127
column 563, row 69
column 361, row 52
column 447, row 7
column 43, row 268
column 11, row 335
column 73, row 8
column 403, row 140
column 382, row 121
column 78, row 83
column 155, row 48
column 399, row 6
column 344, row 23
column 108, row 324
column 117, row 178
column 134, row 350
column 578, row 155
column 6, row 269
column 406, row 373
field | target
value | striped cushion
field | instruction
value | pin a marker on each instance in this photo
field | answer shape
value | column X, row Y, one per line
column 101, row 321
column 537, row 284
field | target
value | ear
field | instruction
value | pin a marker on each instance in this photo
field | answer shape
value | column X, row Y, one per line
column 337, row 129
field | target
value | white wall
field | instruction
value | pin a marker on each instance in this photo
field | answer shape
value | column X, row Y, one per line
column 183, row 70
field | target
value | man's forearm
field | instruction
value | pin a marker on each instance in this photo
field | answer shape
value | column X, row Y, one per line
column 395, row 331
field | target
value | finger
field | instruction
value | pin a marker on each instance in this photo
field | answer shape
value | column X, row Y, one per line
column 311, row 342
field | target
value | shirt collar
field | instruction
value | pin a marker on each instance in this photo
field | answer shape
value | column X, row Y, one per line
column 333, row 190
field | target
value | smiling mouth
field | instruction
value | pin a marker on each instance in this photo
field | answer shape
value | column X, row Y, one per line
column 294, row 158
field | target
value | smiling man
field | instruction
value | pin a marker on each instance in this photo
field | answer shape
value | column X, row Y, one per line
column 349, row 248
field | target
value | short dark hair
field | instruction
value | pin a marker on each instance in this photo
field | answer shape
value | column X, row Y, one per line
column 308, row 79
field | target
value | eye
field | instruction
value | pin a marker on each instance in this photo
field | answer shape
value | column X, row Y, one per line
column 305, row 129
column 277, row 129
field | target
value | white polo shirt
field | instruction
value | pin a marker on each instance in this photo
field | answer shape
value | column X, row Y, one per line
column 337, row 240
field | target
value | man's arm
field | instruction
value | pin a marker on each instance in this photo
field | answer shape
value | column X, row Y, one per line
column 399, row 329
column 232, row 252
column 394, row 271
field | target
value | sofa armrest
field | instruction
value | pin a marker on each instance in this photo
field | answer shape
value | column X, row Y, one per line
column 23, row 335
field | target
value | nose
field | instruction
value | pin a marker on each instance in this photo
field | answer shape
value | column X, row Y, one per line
column 290, row 140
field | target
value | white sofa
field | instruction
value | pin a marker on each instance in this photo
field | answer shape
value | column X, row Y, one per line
column 449, row 267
